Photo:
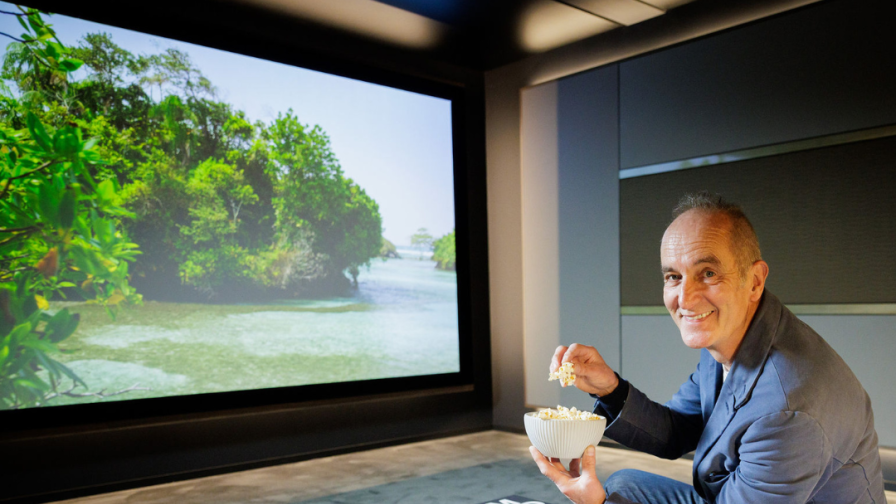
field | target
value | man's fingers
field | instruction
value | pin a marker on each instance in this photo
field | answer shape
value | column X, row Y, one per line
column 588, row 463
column 547, row 468
column 558, row 356
column 578, row 352
column 574, row 468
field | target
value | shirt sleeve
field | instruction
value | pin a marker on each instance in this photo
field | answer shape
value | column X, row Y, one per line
column 611, row 404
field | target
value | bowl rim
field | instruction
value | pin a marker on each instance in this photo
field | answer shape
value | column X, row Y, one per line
column 534, row 414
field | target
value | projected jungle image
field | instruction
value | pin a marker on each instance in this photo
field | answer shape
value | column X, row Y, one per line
column 179, row 220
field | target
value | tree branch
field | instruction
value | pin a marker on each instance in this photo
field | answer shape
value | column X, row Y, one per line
column 12, row 238
column 10, row 36
column 101, row 394
column 26, row 228
column 23, row 175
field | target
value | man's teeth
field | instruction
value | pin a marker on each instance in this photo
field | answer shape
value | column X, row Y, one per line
column 698, row 317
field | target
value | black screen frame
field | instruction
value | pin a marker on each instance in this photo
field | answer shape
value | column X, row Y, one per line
column 469, row 211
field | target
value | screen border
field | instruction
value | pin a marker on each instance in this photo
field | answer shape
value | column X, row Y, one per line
column 469, row 210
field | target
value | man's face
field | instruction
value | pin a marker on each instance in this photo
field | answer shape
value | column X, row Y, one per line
column 703, row 290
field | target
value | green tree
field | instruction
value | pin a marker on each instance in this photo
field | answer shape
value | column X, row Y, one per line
column 105, row 59
column 314, row 199
column 444, row 252
column 175, row 69
column 58, row 226
column 38, row 62
column 218, row 193
column 422, row 241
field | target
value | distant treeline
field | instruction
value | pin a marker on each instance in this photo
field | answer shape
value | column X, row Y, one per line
column 220, row 207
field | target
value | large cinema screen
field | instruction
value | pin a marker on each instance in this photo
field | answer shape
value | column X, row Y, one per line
column 179, row 220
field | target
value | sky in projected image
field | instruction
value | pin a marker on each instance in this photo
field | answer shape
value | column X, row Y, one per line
column 379, row 134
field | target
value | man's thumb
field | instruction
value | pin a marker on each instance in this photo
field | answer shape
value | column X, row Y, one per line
column 588, row 463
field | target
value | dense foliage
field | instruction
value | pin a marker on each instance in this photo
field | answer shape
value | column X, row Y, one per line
column 140, row 152
column 222, row 208
column 59, row 227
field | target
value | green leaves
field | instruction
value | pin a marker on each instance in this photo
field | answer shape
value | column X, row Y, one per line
column 68, row 207
column 38, row 132
column 61, row 325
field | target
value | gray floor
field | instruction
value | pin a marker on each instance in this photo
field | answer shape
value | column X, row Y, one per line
column 319, row 478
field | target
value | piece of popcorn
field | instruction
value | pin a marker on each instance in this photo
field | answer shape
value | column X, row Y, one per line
column 562, row 413
column 565, row 373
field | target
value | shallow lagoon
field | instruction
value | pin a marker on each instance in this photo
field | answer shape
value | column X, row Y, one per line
column 401, row 321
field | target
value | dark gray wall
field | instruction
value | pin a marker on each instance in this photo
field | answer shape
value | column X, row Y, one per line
column 826, row 68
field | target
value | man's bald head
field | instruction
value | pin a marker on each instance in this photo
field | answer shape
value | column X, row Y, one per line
column 741, row 236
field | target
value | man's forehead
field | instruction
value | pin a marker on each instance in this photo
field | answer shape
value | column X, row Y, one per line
column 694, row 239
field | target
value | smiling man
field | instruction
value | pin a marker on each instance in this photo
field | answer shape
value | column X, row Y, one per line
column 772, row 413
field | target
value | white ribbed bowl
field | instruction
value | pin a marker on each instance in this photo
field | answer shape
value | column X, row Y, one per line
column 563, row 439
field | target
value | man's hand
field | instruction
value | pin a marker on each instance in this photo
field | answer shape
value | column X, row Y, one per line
column 581, row 486
column 593, row 375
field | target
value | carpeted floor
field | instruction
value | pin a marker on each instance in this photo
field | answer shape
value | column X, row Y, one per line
column 478, row 484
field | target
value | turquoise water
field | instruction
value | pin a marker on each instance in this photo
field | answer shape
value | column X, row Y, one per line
column 401, row 321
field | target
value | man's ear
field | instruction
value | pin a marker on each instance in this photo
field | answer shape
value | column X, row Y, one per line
column 758, row 273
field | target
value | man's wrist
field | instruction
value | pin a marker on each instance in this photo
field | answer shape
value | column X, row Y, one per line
column 613, row 402
column 609, row 390
column 614, row 387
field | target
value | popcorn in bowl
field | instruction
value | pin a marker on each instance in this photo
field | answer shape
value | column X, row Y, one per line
column 565, row 373
column 562, row 413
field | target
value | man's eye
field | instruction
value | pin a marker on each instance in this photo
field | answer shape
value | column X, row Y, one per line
column 671, row 278
column 710, row 274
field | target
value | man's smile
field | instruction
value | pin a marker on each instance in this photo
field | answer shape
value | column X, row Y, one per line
column 697, row 318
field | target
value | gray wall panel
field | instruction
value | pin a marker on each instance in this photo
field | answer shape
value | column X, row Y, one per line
column 654, row 358
column 816, row 71
column 868, row 345
column 589, row 211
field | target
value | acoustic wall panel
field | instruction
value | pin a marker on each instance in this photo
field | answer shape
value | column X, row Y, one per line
column 815, row 71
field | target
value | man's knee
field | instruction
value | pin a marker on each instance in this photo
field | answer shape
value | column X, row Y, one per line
column 625, row 482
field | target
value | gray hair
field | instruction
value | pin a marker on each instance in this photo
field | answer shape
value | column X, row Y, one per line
column 741, row 235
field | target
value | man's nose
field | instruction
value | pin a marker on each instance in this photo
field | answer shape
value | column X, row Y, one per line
column 689, row 295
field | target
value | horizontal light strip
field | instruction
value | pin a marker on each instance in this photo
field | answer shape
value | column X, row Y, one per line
column 798, row 309
column 759, row 152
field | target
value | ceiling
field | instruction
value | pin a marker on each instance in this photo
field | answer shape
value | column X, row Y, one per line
column 478, row 34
